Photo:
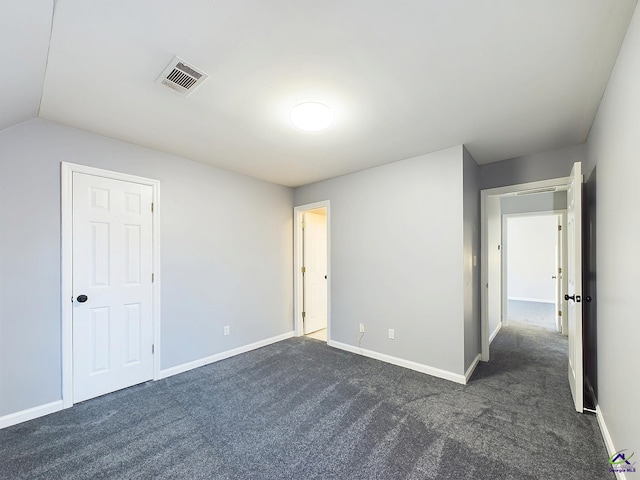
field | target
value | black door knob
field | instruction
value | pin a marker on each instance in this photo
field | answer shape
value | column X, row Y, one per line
column 568, row 297
column 82, row 298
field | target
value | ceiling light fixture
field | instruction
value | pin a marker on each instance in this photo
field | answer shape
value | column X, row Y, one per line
column 311, row 116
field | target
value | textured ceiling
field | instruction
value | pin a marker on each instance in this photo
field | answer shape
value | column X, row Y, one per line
column 404, row 78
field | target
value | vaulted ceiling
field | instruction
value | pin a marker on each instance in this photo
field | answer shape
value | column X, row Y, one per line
column 403, row 77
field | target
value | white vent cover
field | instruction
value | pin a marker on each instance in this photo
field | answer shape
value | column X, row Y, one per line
column 182, row 77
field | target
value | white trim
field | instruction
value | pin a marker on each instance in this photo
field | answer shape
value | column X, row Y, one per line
column 185, row 367
column 495, row 332
column 30, row 414
column 536, row 300
column 418, row 367
column 484, row 254
column 608, row 441
column 470, row 370
column 66, row 205
column 297, row 265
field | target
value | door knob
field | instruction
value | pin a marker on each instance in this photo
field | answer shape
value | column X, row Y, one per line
column 568, row 297
column 553, row 277
column 82, row 298
column 588, row 299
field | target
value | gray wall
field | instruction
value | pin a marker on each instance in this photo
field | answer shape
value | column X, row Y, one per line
column 613, row 147
column 539, row 202
column 531, row 168
column 494, row 263
column 226, row 243
column 471, row 260
column 396, row 257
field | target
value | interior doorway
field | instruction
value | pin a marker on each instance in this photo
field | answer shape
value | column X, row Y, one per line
column 493, row 206
column 312, row 271
column 533, row 267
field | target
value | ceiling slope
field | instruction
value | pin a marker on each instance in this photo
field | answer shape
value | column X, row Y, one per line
column 404, row 77
column 25, row 27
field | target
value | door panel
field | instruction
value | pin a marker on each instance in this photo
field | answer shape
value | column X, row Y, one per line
column 112, row 266
column 574, row 277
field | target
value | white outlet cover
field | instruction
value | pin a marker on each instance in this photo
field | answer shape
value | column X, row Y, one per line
column 392, row 334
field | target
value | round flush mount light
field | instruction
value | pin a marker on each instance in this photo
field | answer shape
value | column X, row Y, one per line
column 311, row 116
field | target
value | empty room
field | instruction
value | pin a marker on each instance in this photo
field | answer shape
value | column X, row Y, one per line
column 297, row 239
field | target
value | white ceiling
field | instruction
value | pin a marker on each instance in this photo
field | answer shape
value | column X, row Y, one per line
column 404, row 77
column 25, row 27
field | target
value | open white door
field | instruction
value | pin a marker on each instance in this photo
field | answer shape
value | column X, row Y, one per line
column 574, row 276
column 315, row 271
column 557, row 276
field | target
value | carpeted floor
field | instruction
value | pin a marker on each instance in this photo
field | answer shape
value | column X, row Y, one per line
column 532, row 313
column 299, row 409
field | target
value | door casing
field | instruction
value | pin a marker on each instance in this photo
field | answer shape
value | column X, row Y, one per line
column 297, row 265
column 67, row 171
column 556, row 183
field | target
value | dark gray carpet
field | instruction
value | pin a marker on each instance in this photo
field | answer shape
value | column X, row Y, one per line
column 300, row 410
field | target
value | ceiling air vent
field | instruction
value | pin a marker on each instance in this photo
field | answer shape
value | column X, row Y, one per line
column 182, row 77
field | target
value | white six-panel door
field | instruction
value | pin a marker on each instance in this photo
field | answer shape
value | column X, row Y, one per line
column 112, row 266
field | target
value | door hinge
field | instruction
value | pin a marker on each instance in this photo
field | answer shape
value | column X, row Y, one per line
column 304, row 225
column 559, row 313
column 304, row 314
column 152, row 207
column 559, row 269
column 304, row 269
column 153, row 277
column 153, row 348
column 559, row 227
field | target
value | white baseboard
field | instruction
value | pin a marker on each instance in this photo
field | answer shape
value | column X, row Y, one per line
column 608, row 441
column 495, row 332
column 418, row 367
column 185, row 367
column 42, row 410
column 472, row 367
column 30, row 414
column 536, row 300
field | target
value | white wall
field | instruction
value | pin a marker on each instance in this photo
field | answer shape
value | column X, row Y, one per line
column 531, row 257
column 613, row 146
column 226, row 255
column 397, row 257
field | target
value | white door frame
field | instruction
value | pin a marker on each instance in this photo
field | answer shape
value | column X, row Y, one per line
column 297, row 265
column 509, row 190
column 67, row 171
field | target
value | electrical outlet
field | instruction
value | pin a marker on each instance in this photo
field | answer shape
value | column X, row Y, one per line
column 362, row 328
column 226, row 330
column 392, row 334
